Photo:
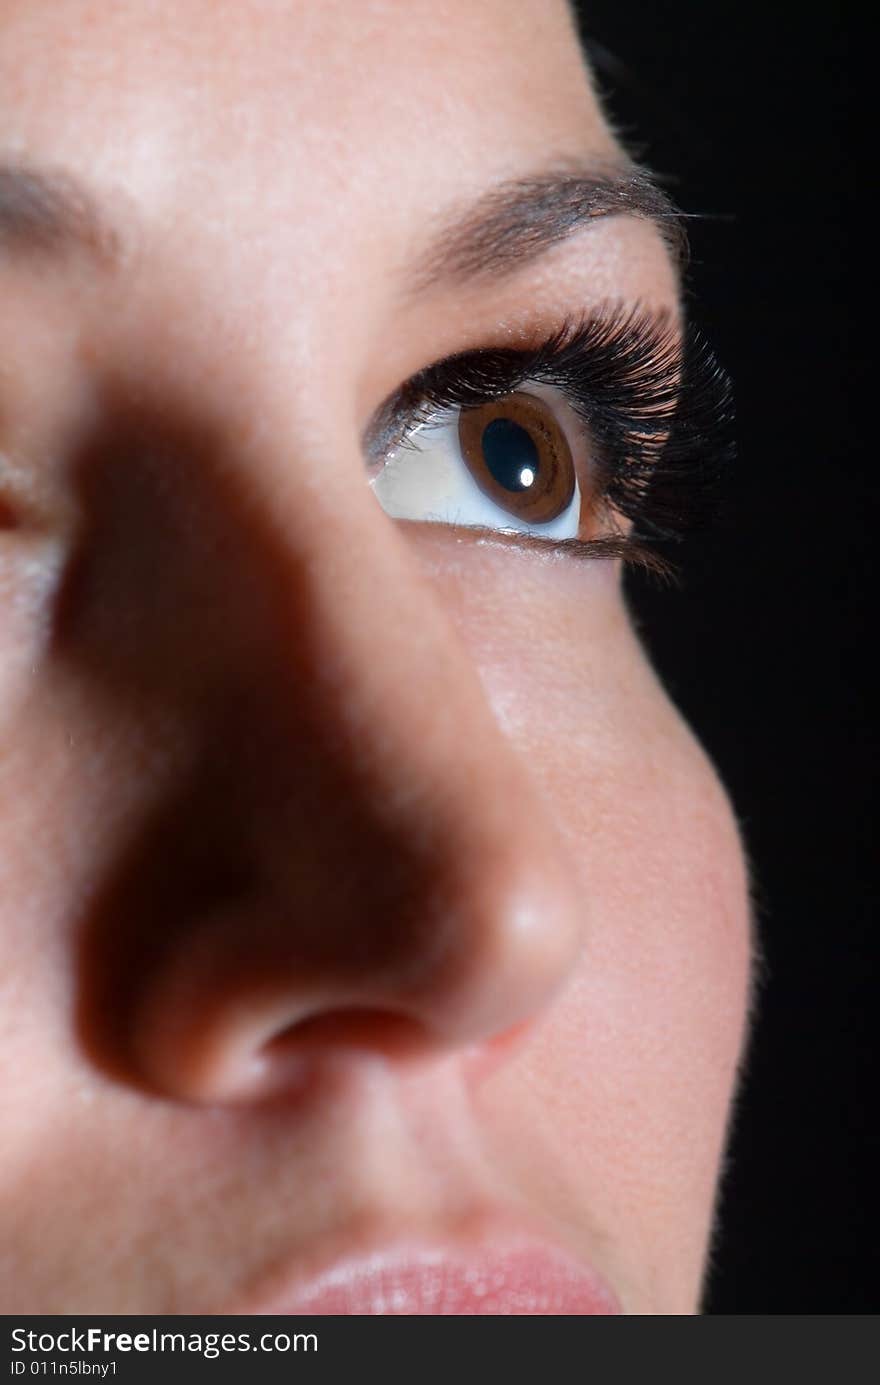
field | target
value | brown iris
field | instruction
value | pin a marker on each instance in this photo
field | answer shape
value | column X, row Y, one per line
column 519, row 457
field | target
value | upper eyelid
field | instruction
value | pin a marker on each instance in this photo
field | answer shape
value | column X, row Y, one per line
column 440, row 415
column 559, row 351
column 572, row 336
column 387, row 424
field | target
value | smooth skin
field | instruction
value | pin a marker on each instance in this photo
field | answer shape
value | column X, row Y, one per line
column 358, row 880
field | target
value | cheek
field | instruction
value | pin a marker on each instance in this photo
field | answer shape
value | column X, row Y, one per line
column 634, row 1067
column 646, row 1038
column 635, row 1063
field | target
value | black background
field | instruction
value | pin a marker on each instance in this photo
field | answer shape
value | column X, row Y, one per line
column 749, row 113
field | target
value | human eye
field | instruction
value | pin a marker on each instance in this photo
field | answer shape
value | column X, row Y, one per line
column 508, row 463
column 604, row 436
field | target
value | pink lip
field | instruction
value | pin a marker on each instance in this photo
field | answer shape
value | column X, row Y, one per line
column 525, row 1280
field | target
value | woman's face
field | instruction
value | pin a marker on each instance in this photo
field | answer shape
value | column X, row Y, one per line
column 363, row 900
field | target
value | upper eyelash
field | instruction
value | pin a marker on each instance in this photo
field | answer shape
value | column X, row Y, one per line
column 656, row 403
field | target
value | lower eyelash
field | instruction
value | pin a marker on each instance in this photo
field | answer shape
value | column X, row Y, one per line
column 656, row 405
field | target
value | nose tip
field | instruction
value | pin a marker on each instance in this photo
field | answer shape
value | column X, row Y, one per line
column 255, row 1004
column 508, row 935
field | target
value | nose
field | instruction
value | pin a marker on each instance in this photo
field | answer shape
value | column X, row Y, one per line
column 349, row 858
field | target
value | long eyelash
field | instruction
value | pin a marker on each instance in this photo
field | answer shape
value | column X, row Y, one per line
column 657, row 406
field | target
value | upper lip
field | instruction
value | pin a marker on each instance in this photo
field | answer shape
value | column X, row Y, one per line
column 503, row 1269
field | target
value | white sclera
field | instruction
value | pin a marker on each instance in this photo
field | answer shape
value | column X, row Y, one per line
column 428, row 480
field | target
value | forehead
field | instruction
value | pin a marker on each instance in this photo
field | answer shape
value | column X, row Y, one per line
column 292, row 103
column 273, row 164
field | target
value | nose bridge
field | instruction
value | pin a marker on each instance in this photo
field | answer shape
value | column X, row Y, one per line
column 345, row 864
column 359, row 696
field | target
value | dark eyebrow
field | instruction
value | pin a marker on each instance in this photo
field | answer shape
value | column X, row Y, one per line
column 50, row 211
column 516, row 221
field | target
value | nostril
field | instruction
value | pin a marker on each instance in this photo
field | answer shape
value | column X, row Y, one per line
column 8, row 516
column 348, row 1030
column 308, row 1052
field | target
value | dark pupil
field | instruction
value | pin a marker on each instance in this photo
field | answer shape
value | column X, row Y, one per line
column 508, row 451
